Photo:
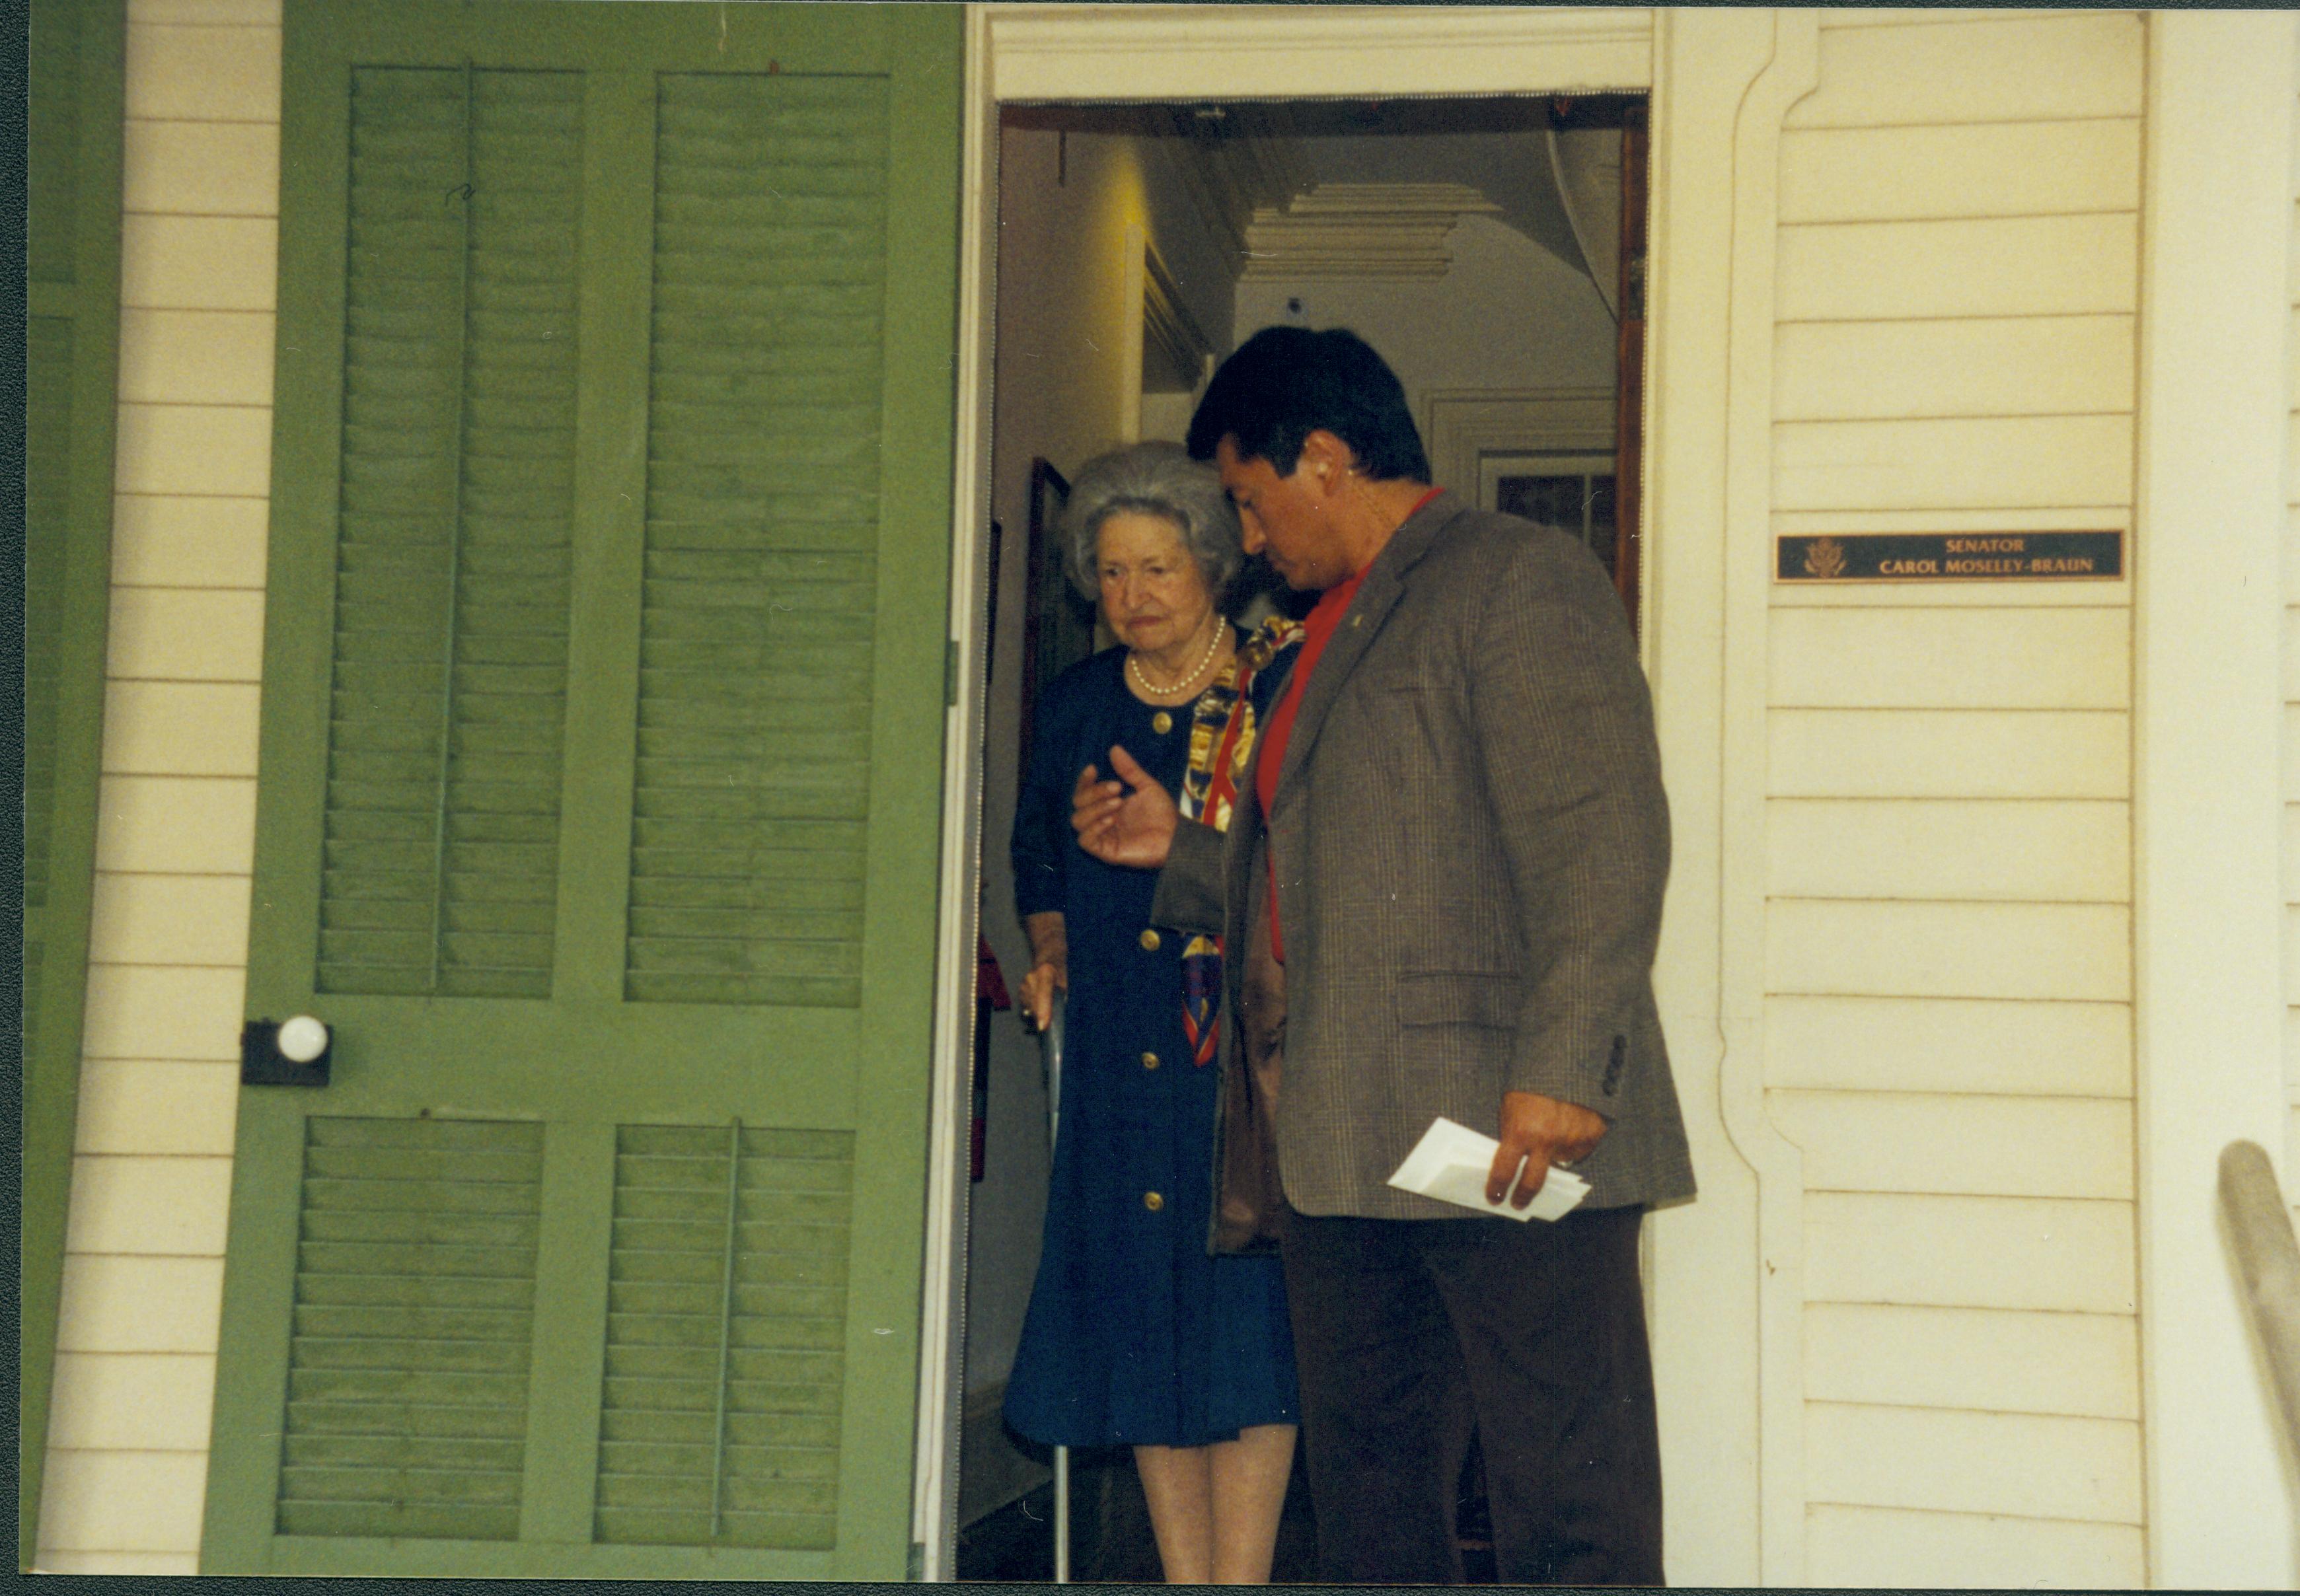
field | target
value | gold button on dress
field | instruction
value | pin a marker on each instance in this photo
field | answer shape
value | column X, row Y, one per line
column 1153, row 1202
column 1162, row 723
column 1149, row 1060
column 1149, row 940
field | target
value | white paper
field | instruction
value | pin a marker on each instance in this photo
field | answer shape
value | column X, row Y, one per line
column 1451, row 1163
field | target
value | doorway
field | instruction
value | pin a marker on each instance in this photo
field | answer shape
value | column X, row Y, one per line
column 1479, row 244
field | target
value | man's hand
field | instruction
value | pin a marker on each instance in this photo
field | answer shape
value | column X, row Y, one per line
column 1123, row 828
column 1538, row 1131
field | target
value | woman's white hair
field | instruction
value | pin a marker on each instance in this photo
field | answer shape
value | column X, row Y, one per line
column 1160, row 480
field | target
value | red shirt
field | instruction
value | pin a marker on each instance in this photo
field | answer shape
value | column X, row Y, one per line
column 1270, row 758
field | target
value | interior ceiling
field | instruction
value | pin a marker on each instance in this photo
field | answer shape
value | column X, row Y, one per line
column 1497, row 147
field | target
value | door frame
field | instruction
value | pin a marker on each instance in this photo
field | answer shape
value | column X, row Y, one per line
column 1728, row 1274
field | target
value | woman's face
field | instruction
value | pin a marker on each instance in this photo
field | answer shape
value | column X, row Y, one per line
column 1153, row 594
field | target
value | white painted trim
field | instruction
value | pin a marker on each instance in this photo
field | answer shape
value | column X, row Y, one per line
column 1459, row 425
column 1727, row 1362
column 1709, row 1273
column 1272, row 52
column 942, row 1339
column 2208, row 617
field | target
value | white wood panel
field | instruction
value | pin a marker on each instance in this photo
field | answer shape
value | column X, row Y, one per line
column 123, row 1502
column 145, row 1400
column 171, row 920
column 109, row 1563
column 2073, row 951
column 2292, row 748
column 1993, row 366
column 2076, row 1365
column 2011, row 266
column 1935, row 659
column 1963, row 1145
column 200, row 169
column 2291, row 851
column 2018, row 1464
column 1948, row 754
column 141, row 1304
column 2291, row 651
column 1980, row 71
column 140, row 1106
column 2034, row 851
column 161, row 540
column 1992, row 168
column 2292, row 953
column 180, row 728
column 2029, row 461
column 183, row 635
column 1934, row 1044
column 2041, row 1254
column 203, row 72
column 153, row 1011
column 209, row 13
column 152, row 1207
column 1897, row 1548
column 196, row 357
column 194, row 449
column 199, row 262
column 187, row 825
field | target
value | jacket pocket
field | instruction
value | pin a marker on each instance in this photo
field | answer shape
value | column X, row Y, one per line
column 1489, row 999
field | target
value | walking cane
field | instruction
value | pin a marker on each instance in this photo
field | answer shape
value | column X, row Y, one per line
column 1053, row 1058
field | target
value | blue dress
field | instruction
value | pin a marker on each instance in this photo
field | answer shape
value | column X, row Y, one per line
column 1135, row 1334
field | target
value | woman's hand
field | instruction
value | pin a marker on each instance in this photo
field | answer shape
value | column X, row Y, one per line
column 1038, row 989
column 1050, row 967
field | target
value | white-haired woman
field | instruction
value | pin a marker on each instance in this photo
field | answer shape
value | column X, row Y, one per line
column 1137, row 1334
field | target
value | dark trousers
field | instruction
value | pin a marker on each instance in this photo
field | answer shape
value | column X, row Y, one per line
column 1407, row 1330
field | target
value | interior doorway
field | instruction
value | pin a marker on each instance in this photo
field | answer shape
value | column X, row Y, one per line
column 1491, row 248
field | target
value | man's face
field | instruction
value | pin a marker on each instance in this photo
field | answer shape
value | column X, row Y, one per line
column 1284, row 517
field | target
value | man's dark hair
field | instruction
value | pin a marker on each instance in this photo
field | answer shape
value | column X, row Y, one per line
column 1284, row 383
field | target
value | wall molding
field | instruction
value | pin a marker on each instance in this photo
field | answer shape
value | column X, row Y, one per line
column 1460, row 425
column 1192, row 53
column 1386, row 231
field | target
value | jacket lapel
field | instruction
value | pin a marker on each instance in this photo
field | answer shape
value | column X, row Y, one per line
column 1385, row 584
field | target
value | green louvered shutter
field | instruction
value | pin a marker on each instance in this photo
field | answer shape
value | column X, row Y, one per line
column 452, row 558
column 70, row 360
column 599, row 791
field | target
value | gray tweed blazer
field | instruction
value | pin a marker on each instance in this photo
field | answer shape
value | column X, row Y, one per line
column 1472, row 843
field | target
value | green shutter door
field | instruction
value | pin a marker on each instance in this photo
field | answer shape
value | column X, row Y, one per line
column 598, row 801
column 72, row 339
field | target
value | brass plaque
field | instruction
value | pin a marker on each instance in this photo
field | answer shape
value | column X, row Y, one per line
column 1950, row 557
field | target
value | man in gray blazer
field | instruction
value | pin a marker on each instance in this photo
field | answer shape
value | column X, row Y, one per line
column 1440, row 893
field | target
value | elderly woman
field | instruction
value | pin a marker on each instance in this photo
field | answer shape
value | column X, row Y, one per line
column 1137, row 1334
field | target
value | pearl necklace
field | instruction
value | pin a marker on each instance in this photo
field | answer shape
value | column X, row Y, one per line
column 1142, row 677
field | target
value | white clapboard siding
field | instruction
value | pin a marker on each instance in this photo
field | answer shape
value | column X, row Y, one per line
column 1932, row 1044
column 1946, row 1142
column 1894, row 1547
column 1988, row 1360
column 1943, row 658
column 1948, row 839
column 1978, row 70
column 1961, row 463
column 1988, row 366
column 1949, row 753
column 2007, row 266
column 2045, row 1254
column 2019, row 849
column 1964, row 950
column 1984, row 168
column 1951, row 1461
column 168, row 948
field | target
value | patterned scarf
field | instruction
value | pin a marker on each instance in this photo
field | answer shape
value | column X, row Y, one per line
column 1222, row 748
